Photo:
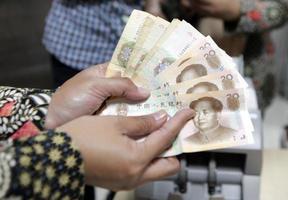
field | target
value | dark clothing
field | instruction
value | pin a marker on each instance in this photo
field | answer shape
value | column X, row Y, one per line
column 61, row 72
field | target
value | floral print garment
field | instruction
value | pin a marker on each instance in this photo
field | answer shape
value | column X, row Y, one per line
column 262, row 15
column 258, row 17
column 35, row 163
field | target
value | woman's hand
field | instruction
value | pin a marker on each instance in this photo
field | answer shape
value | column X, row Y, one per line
column 228, row 10
column 154, row 7
column 85, row 93
column 114, row 160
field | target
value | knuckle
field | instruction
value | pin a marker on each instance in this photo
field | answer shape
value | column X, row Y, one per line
column 145, row 123
column 88, row 77
column 170, row 135
column 127, row 82
column 165, row 130
column 124, row 86
column 176, row 167
column 91, row 83
column 172, row 172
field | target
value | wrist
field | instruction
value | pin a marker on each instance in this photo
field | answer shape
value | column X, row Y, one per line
column 45, row 162
column 74, row 130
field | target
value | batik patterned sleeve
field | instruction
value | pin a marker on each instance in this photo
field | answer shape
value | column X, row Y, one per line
column 34, row 163
column 259, row 16
column 22, row 111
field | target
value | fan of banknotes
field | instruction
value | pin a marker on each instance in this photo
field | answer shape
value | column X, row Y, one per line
column 182, row 69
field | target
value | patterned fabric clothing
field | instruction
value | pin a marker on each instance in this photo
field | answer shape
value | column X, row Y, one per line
column 258, row 17
column 81, row 33
column 34, row 163
column 22, row 110
column 261, row 15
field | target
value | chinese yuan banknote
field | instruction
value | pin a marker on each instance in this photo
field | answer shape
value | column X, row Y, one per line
column 221, row 120
column 183, row 69
column 205, row 58
column 148, row 37
column 125, row 46
column 225, row 80
column 167, row 53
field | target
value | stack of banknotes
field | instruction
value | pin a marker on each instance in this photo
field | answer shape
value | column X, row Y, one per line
column 182, row 69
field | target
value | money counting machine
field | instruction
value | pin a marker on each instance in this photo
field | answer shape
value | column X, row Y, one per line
column 227, row 174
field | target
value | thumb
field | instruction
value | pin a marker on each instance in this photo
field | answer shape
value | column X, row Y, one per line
column 122, row 87
column 137, row 127
column 157, row 142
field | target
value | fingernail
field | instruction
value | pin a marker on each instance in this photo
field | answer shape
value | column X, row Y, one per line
column 143, row 91
column 160, row 115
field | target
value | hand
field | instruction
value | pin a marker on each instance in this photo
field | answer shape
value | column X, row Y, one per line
column 154, row 7
column 114, row 160
column 85, row 93
column 228, row 10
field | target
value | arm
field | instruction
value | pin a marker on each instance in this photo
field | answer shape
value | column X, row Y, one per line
column 259, row 16
column 46, row 166
column 154, row 7
column 27, row 170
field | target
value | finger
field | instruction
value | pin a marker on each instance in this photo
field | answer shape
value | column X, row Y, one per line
column 185, row 3
column 157, row 142
column 136, row 127
column 205, row 9
column 160, row 169
column 122, row 87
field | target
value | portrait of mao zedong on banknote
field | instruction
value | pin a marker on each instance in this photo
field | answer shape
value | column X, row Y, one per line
column 207, row 121
column 191, row 72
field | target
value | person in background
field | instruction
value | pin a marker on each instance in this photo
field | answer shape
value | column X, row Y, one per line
column 247, row 24
column 81, row 33
column 51, row 145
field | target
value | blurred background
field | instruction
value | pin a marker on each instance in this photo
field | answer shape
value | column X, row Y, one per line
column 23, row 59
